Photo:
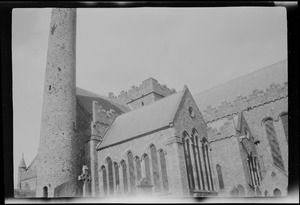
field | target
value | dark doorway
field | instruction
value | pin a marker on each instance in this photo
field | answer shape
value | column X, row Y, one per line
column 45, row 192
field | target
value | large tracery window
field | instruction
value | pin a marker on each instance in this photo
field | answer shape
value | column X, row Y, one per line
column 207, row 164
column 188, row 162
column 197, row 162
column 273, row 141
column 253, row 169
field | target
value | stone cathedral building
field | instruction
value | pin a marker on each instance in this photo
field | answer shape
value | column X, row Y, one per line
column 231, row 140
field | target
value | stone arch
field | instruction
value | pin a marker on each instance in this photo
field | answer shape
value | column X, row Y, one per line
column 277, row 192
column 266, row 119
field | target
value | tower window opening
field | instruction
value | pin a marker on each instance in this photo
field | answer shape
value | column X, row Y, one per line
column 49, row 87
column 45, row 192
column 142, row 103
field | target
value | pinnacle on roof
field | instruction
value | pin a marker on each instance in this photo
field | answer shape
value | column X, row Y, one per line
column 22, row 162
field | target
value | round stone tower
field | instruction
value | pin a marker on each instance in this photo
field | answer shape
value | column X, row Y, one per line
column 57, row 149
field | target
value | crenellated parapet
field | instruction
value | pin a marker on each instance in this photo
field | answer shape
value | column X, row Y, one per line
column 148, row 86
column 256, row 98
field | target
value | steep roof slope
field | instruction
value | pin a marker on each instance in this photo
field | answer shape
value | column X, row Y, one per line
column 86, row 99
column 229, row 91
column 142, row 120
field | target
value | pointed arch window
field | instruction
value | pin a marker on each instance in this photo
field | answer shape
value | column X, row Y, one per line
column 164, row 170
column 188, row 161
column 125, row 182
column 155, row 168
column 198, row 159
column 284, row 120
column 110, row 176
column 220, row 176
column 131, row 171
column 273, row 142
column 104, row 177
column 138, row 168
column 117, row 177
column 207, row 164
column 147, row 167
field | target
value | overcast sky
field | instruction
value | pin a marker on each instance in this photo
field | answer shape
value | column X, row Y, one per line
column 118, row 48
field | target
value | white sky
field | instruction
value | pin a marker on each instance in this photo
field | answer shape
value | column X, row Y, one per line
column 118, row 48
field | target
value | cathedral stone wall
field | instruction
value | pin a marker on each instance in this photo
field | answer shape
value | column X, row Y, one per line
column 226, row 153
column 29, row 184
column 140, row 146
column 255, row 118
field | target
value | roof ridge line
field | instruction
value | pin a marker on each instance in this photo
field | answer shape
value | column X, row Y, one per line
column 263, row 68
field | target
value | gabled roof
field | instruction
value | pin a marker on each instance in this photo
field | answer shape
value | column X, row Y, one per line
column 229, row 91
column 143, row 120
column 86, row 99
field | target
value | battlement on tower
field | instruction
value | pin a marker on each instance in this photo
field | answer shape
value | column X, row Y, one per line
column 147, row 87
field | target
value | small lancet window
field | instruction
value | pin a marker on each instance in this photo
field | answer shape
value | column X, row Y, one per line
column 49, row 87
column 191, row 112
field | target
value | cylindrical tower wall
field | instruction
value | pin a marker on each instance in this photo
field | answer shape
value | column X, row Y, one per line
column 57, row 150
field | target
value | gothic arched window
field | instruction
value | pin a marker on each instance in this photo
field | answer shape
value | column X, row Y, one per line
column 131, row 171
column 198, row 158
column 104, row 180
column 241, row 190
column 155, row 168
column 125, row 182
column 45, row 192
column 117, row 177
column 110, row 176
column 188, row 161
column 220, row 176
column 164, row 170
column 207, row 164
column 284, row 119
column 147, row 167
column 273, row 141
column 277, row 192
column 138, row 168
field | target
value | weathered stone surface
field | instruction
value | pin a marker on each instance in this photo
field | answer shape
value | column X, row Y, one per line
column 58, row 156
